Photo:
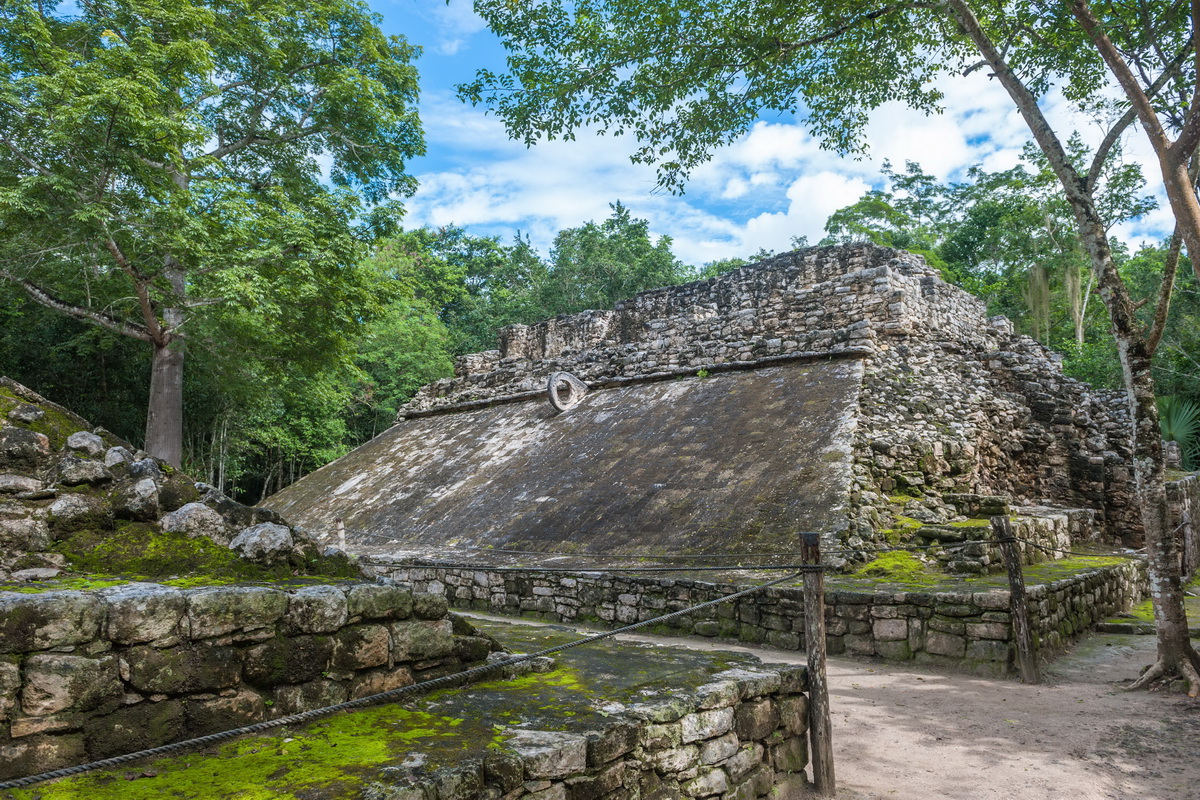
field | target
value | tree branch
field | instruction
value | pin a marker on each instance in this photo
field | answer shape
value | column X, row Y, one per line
column 21, row 155
column 43, row 297
column 1120, row 70
column 1170, row 71
column 1161, row 309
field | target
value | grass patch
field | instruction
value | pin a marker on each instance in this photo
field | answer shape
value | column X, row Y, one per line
column 899, row 567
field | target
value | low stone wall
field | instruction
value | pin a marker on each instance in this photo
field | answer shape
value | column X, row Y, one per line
column 969, row 630
column 88, row 675
column 741, row 737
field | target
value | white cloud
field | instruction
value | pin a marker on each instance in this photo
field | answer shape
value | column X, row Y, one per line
column 769, row 186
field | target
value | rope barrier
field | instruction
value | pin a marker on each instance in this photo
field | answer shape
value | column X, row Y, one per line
column 423, row 686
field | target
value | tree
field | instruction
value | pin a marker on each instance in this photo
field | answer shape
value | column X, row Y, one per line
column 687, row 76
column 161, row 161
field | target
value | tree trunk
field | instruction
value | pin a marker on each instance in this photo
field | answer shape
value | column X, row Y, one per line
column 164, row 417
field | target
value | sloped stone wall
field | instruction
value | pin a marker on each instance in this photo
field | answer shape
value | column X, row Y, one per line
column 88, row 675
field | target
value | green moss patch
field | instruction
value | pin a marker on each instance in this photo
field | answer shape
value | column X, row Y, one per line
column 1144, row 612
column 899, row 567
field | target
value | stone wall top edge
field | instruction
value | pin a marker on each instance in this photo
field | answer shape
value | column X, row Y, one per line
column 10, row 598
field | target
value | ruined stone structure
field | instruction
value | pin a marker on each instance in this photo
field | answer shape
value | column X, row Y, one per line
column 847, row 390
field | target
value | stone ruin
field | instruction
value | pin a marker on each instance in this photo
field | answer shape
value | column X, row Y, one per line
column 847, row 390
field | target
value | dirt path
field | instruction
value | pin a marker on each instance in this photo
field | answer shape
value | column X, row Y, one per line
column 917, row 734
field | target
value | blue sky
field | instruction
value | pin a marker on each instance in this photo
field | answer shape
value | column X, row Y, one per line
column 772, row 185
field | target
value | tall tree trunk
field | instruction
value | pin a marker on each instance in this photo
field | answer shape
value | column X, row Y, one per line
column 1175, row 653
column 164, row 417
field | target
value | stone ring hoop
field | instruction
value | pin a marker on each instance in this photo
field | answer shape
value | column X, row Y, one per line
column 565, row 390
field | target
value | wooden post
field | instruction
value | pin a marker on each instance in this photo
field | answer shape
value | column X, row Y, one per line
column 1022, row 632
column 820, row 728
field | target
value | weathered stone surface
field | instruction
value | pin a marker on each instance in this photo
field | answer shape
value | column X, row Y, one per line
column 718, row 694
column 143, row 612
column 749, row 756
column 429, row 606
column 550, row 754
column 756, row 719
column 35, row 754
column 115, row 456
column 23, row 450
column 24, row 533
column 79, row 472
column 10, row 483
column 26, row 413
column 71, row 512
column 266, row 543
column 181, row 669
column 137, row 500
column 283, row 659
column 791, row 755
column 706, row 724
column 49, row 619
column 223, row 713
column 10, row 682
column 197, row 519
column 86, row 442
column 716, row 750
column 677, row 759
column 297, row 697
column 316, row 609
column 617, row 739
column 379, row 601
column 360, row 647
column 59, row 682
column 378, row 681
column 221, row 610
column 709, row 782
column 793, row 714
column 424, row 639
column 134, row 728
column 945, row 644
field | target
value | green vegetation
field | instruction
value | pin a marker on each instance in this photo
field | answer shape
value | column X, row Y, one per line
column 900, row 568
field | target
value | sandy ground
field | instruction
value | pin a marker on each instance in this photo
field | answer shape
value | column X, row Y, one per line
column 919, row 734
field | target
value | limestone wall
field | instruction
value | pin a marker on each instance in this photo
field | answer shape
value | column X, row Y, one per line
column 740, row 736
column 967, row 630
column 85, row 676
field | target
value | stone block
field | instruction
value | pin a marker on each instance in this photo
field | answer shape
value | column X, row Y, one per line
column 890, row 630
column 594, row 787
column 896, row 651
column 430, row 606
column 10, row 682
column 464, row 782
column 379, row 601
column 181, row 669
column 748, row 756
column 57, row 682
column 658, row 737
column 790, row 755
column 284, row 659
column 676, row 760
column 316, row 609
column 988, row 630
column 51, row 619
column 23, row 450
column 360, row 647
column 550, row 754
column 944, row 644
column 225, row 609
column 134, row 728
column 793, row 713
column 222, row 713
column 34, row 754
column 756, row 719
column 989, row 650
column 378, row 681
column 706, row 724
column 754, row 683
column 142, row 612
column 859, row 644
column 614, row 741
column 707, row 783
column 718, row 694
column 296, row 697
column 717, row 750
column 75, row 512
column 418, row 640
column 503, row 769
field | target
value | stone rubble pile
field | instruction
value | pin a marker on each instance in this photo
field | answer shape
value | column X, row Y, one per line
column 58, row 475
